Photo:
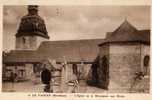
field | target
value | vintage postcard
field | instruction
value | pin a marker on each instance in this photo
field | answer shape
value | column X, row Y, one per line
column 79, row 51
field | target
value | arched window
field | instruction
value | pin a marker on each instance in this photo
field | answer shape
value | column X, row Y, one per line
column 146, row 64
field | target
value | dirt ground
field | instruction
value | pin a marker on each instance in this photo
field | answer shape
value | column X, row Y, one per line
column 82, row 87
column 29, row 86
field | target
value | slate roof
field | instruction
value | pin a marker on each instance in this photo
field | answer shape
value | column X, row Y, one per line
column 127, row 33
column 72, row 50
column 31, row 25
column 78, row 50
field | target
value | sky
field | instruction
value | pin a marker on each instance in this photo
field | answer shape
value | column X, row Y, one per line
column 75, row 22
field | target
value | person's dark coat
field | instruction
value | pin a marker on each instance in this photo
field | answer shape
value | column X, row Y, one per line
column 13, row 77
column 46, row 76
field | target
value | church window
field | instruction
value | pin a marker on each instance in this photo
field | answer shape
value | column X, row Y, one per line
column 146, row 64
column 36, row 68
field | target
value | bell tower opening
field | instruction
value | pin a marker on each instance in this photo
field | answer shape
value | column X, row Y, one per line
column 33, row 10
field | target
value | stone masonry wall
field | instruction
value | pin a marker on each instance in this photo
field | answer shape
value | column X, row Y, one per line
column 124, row 62
column 28, row 42
column 145, row 50
column 25, row 42
column 143, row 85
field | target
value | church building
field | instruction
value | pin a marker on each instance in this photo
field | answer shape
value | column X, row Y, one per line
column 110, row 63
column 124, row 55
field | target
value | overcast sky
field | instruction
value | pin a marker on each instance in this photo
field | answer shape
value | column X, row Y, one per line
column 75, row 22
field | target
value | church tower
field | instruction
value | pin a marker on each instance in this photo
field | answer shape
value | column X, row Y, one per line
column 32, row 30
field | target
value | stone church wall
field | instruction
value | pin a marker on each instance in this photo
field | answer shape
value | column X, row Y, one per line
column 124, row 62
column 145, row 51
column 28, row 42
column 144, row 84
column 25, row 42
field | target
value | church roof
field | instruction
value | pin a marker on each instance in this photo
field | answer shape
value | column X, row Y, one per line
column 78, row 50
column 128, row 33
column 32, row 24
column 72, row 50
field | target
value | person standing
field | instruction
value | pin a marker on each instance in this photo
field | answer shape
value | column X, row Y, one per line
column 46, row 78
column 12, row 79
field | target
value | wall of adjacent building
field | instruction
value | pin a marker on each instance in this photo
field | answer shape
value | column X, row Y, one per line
column 29, row 71
column 19, row 70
